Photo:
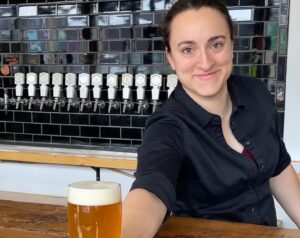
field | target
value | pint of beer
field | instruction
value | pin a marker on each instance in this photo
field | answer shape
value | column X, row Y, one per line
column 94, row 210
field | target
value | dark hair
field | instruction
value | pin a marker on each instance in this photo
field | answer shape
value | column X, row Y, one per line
column 184, row 5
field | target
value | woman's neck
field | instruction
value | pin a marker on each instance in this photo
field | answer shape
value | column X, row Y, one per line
column 218, row 104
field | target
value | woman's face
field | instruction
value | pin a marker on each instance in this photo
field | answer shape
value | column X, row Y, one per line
column 201, row 52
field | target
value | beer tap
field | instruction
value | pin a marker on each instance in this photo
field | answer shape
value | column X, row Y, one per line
column 127, row 82
column 57, row 81
column 31, row 80
column 112, row 83
column 84, row 82
column 140, row 83
column 70, row 82
column 19, row 81
column 172, row 81
column 97, row 83
column 155, row 83
column 5, row 100
column 44, row 80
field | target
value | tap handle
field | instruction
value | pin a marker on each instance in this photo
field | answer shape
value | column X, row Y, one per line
column 127, row 82
column 172, row 81
column 97, row 83
column 70, row 82
column 19, row 78
column 44, row 80
column 112, row 83
column 84, row 82
column 31, row 80
column 140, row 83
column 155, row 83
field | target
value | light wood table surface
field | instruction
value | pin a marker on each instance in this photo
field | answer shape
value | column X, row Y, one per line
column 34, row 220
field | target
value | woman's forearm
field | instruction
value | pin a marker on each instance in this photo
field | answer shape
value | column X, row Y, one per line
column 286, row 189
column 143, row 214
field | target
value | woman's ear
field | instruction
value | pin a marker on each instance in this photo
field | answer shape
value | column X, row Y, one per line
column 170, row 58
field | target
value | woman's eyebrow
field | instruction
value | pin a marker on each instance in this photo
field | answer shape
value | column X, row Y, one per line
column 190, row 42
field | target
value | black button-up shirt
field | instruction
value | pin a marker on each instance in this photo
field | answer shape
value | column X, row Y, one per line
column 185, row 161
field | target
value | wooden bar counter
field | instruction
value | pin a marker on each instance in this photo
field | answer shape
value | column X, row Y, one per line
column 34, row 220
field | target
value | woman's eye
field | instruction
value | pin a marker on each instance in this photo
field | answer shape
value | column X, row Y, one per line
column 187, row 50
column 217, row 45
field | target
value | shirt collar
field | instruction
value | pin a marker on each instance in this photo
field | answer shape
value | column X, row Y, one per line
column 200, row 114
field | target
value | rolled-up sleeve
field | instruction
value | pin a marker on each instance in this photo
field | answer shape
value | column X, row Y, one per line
column 159, row 159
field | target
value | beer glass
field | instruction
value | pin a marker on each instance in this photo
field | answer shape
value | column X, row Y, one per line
column 94, row 210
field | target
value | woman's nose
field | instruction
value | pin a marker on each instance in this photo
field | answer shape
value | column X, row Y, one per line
column 204, row 61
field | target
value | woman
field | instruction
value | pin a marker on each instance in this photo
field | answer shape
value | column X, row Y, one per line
column 213, row 150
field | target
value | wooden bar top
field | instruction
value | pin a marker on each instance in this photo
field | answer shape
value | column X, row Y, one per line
column 67, row 156
column 33, row 220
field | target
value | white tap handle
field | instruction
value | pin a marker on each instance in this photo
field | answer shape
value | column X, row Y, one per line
column 126, row 92
column 127, row 82
column 70, row 79
column 56, row 91
column 97, row 79
column 19, row 81
column 97, row 82
column 57, row 81
column 84, row 82
column 112, row 83
column 44, row 80
column 19, row 90
column 19, row 78
column 172, row 81
column 31, row 80
column 70, row 82
column 140, row 83
column 155, row 82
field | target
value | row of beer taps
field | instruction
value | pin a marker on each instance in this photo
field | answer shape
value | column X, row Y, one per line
column 85, row 81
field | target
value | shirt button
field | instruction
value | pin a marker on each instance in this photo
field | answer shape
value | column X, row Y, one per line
column 262, row 166
column 253, row 209
column 250, row 187
column 248, row 143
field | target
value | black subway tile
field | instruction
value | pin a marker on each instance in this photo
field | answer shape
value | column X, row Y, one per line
column 100, row 120
column 60, row 118
column 79, row 119
column 14, row 127
column 23, row 116
column 7, row 136
column 23, row 137
column 60, row 140
column 119, row 120
column 89, row 131
column 65, row 9
column 46, row 9
column 130, row 5
column 8, row 11
column 80, row 141
column 41, row 139
column 49, row 129
column 131, row 133
column 111, row 6
column 110, row 132
column 41, row 117
column 32, row 128
column 70, row 130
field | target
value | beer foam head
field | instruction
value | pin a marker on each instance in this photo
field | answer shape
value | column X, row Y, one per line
column 94, row 193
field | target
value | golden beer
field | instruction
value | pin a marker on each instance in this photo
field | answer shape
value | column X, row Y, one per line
column 94, row 210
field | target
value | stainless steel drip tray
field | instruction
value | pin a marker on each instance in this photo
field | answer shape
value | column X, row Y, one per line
column 68, row 151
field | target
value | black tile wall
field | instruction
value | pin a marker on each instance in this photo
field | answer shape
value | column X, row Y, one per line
column 114, row 37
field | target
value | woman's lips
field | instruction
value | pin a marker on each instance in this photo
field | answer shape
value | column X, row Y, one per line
column 206, row 76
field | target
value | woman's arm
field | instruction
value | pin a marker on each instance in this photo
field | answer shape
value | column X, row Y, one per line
column 143, row 213
column 286, row 189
